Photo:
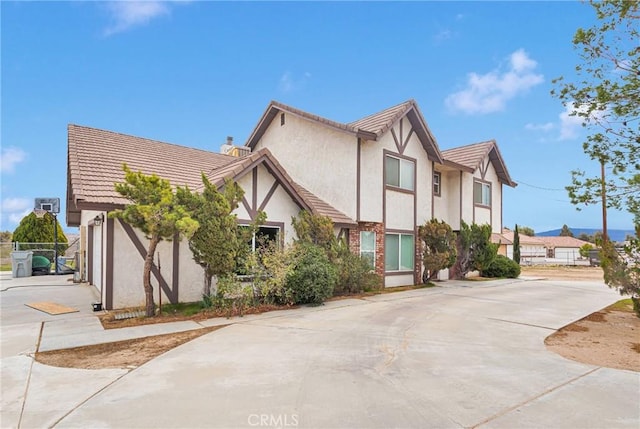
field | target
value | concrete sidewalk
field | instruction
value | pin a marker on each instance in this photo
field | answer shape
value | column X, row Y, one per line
column 464, row 354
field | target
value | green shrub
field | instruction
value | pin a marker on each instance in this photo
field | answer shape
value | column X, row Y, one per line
column 233, row 294
column 313, row 277
column 371, row 282
column 502, row 267
column 353, row 273
column 271, row 268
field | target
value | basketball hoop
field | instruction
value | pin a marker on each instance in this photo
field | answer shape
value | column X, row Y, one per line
column 39, row 212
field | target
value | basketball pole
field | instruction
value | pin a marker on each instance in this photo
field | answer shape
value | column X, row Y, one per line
column 55, row 241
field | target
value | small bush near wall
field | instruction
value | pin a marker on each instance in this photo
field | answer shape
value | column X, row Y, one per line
column 353, row 273
column 502, row 267
column 313, row 277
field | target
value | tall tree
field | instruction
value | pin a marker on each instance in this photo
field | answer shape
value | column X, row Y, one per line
column 155, row 210
column 565, row 231
column 438, row 247
column 525, row 230
column 606, row 97
column 216, row 241
column 34, row 229
column 516, row 245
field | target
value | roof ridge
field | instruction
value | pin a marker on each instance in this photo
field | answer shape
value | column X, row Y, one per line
column 492, row 141
column 410, row 101
column 149, row 139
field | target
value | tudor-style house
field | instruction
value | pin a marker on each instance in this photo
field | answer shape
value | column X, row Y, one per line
column 387, row 173
column 377, row 178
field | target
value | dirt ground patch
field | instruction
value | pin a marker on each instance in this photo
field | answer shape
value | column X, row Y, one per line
column 610, row 338
column 120, row 354
column 563, row 272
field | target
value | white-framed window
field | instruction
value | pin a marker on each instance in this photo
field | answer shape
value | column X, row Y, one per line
column 263, row 235
column 399, row 251
column 437, row 180
column 368, row 247
column 399, row 172
column 482, row 193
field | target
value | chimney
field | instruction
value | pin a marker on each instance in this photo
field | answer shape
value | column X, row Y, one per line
column 229, row 149
column 226, row 148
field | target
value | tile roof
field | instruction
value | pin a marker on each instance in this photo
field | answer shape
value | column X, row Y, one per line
column 563, row 241
column 470, row 157
column 370, row 127
column 524, row 239
column 500, row 239
column 379, row 123
column 95, row 159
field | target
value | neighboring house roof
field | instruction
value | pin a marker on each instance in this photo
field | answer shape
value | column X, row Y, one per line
column 470, row 158
column 95, row 159
column 500, row 239
column 552, row 242
column 525, row 240
column 370, row 127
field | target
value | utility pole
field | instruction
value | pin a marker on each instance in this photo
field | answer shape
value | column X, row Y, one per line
column 605, row 237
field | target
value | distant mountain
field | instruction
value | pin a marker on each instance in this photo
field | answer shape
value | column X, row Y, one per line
column 614, row 234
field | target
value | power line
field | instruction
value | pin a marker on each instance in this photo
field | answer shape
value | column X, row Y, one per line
column 539, row 187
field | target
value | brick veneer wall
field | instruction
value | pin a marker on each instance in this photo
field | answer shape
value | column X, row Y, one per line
column 354, row 242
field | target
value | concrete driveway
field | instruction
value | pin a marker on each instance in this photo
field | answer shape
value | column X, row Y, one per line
column 466, row 354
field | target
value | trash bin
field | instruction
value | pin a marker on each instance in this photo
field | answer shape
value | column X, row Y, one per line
column 40, row 265
column 21, row 263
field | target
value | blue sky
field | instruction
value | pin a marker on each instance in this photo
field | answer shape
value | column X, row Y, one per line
column 193, row 73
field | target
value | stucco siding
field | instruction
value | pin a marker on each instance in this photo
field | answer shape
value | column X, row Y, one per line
column 398, row 280
column 279, row 207
column 128, row 267
column 320, row 158
column 371, row 181
column 467, row 205
column 399, row 211
column 483, row 216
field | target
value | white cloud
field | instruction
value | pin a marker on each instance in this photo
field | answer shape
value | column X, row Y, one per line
column 569, row 125
column 15, row 218
column 16, row 204
column 11, row 156
column 548, row 126
column 128, row 14
column 290, row 83
column 14, row 209
column 490, row 92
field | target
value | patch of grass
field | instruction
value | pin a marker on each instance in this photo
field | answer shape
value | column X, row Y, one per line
column 182, row 308
column 5, row 267
column 622, row 305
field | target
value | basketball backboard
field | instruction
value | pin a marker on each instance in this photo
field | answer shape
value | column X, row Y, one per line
column 52, row 205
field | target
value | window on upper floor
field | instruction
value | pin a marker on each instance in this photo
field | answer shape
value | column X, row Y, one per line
column 399, row 172
column 399, row 252
column 437, row 187
column 482, row 193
